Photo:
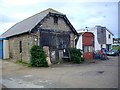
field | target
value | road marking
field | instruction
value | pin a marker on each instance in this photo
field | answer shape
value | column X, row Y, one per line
column 27, row 76
column 44, row 81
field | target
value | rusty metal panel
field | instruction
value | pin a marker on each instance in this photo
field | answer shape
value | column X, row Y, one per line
column 88, row 55
column 88, row 39
column 88, row 45
column 101, row 35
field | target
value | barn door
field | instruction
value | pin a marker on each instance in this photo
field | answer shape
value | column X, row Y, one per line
column 56, row 42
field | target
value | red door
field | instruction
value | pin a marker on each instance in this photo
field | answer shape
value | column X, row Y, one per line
column 88, row 45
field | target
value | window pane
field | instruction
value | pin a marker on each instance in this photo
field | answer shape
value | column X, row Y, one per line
column 88, row 49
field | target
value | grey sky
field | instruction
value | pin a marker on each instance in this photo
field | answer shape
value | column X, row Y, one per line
column 80, row 14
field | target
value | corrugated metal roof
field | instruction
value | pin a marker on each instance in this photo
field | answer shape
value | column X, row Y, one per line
column 27, row 24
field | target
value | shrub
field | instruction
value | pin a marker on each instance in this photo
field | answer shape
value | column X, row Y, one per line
column 38, row 57
column 75, row 55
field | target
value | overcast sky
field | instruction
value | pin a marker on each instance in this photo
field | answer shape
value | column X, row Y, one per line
column 87, row 13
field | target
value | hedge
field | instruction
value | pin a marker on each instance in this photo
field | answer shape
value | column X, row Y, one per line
column 38, row 57
column 75, row 55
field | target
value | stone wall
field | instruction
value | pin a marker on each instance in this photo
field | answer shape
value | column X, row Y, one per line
column 49, row 24
column 14, row 45
column 72, row 36
column 29, row 40
column 61, row 26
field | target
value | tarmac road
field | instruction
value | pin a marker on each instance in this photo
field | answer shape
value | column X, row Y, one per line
column 101, row 74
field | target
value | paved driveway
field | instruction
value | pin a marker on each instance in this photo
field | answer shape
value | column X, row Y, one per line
column 102, row 74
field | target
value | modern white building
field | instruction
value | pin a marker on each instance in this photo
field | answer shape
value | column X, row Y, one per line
column 103, row 38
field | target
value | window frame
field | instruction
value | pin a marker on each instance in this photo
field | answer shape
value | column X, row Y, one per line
column 88, row 49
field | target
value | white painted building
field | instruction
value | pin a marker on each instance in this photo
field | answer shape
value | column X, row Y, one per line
column 103, row 38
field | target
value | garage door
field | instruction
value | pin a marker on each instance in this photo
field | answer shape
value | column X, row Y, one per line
column 1, row 49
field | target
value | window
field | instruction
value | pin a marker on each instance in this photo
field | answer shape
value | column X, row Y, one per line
column 55, row 19
column 88, row 49
column 109, row 36
column 101, row 30
column 20, row 47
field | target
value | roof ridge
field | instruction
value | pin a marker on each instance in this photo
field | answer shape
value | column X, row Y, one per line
column 34, row 19
column 35, row 15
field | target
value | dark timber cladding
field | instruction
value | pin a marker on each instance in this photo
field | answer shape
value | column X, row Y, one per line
column 101, row 35
column 55, row 40
column 66, row 20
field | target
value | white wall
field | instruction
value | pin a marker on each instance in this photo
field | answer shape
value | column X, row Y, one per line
column 109, row 40
column 96, row 44
column 79, row 43
column 104, row 46
column 5, row 49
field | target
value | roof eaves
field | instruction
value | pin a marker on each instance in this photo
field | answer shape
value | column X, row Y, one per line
column 71, row 26
column 109, row 31
column 16, row 34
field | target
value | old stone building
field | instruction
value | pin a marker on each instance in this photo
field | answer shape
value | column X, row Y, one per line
column 48, row 28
